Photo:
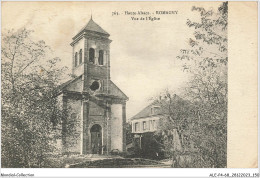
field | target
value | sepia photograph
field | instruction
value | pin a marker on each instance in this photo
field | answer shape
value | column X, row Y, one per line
column 116, row 85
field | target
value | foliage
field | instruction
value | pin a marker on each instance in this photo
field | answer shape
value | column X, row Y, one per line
column 29, row 108
column 148, row 146
column 206, row 58
column 201, row 123
column 176, row 124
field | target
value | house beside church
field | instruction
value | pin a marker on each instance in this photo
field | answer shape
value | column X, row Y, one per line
column 145, row 122
column 94, row 107
column 152, row 119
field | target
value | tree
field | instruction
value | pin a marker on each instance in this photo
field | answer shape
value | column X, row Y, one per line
column 176, row 127
column 207, row 60
column 30, row 76
column 204, row 123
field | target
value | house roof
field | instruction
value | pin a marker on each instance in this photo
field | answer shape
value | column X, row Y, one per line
column 92, row 26
column 146, row 112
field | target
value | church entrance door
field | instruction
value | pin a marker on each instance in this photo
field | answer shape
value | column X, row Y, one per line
column 96, row 139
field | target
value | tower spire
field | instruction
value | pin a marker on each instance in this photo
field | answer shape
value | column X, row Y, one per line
column 91, row 15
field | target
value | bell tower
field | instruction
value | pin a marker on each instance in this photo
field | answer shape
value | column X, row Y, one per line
column 92, row 98
column 91, row 58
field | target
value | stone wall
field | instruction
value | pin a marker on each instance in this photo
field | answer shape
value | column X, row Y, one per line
column 73, row 126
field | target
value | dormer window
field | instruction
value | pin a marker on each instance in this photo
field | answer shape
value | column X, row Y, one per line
column 92, row 55
column 101, row 57
column 155, row 110
column 80, row 56
column 76, row 59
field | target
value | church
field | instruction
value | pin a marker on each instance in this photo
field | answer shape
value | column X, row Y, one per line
column 94, row 108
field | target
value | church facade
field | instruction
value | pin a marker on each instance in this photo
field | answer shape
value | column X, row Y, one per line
column 94, row 108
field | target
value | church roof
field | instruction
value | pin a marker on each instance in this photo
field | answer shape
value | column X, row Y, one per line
column 65, row 84
column 92, row 26
column 116, row 91
column 75, row 85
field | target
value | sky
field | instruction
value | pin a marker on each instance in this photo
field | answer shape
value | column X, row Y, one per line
column 142, row 53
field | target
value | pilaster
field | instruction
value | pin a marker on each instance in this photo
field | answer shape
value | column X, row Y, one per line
column 124, row 125
column 85, row 133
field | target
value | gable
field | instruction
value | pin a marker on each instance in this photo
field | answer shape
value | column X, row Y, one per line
column 72, row 85
column 115, row 91
column 76, row 85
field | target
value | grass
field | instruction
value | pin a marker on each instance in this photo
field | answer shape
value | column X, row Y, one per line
column 61, row 161
column 99, row 161
column 118, row 163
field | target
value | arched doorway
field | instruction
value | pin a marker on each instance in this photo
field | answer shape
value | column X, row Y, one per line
column 96, row 139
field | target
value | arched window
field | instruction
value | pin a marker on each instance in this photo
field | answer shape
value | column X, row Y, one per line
column 91, row 55
column 76, row 59
column 101, row 57
column 80, row 56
